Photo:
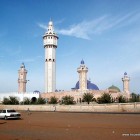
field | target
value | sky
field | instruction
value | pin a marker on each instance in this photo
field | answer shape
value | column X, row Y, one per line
column 104, row 33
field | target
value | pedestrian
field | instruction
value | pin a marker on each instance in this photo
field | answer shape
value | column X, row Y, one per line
column 28, row 111
column 54, row 107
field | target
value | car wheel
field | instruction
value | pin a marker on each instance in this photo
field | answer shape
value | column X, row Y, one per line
column 5, row 117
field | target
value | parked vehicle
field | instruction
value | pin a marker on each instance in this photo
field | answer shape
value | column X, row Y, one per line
column 9, row 114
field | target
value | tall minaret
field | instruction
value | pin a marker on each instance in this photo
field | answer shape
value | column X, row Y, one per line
column 126, row 80
column 82, row 70
column 22, row 79
column 50, row 44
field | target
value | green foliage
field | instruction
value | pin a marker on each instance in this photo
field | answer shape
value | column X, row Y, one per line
column 67, row 100
column 122, row 99
column 88, row 97
column 41, row 101
column 27, row 101
column 10, row 101
column 105, row 98
column 6, row 101
column 53, row 100
column 135, row 97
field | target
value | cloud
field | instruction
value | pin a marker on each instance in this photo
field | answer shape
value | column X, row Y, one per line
column 86, row 29
column 42, row 26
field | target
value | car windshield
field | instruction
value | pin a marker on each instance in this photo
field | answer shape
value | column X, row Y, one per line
column 11, row 111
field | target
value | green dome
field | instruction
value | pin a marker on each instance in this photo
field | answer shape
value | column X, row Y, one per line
column 114, row 88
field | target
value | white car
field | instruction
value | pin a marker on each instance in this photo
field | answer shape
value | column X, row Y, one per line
column 9, row 113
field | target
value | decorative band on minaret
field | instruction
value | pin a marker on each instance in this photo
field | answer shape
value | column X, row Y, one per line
column 22, row 73
column 126, row 80
column 50, row 44
column 82, row 70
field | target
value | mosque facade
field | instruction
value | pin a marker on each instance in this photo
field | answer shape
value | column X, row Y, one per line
column 83, row 85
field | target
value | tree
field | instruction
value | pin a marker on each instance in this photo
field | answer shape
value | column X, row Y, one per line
column 13, row 100
column 41, row 101
column 67, row 100
column 135, row 97
column 88, row 97
column 27, row 101
column 105, row 98
column 53, row 100
column 6, row 101
column 121, row 99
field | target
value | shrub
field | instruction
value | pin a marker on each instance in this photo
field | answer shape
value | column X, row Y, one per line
column 41, row 101
column 121, row 99
column 27, row 101
column 6, row 101
column 11, row 100
column 53, row 100
column 67, row 100
column 135, row 97
column 105, row 98
column 88, row 97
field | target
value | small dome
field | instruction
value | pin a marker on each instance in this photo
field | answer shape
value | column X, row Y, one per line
column 125, row 73
column 82, row 62
column 114, row 88
column 36, row 91
column 22, row 65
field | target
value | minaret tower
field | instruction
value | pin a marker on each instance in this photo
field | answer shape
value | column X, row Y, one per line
column 82, row 70
column 126, row 80
column 22, row 79
column 50, row 44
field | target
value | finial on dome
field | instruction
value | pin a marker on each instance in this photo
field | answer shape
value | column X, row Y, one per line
column 22, row 65
column 82, row 62
column 50, row 22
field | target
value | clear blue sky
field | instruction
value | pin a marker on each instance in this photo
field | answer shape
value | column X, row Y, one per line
column 105, row 33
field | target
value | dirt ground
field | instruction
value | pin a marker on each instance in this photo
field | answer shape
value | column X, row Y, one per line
column 71, row 126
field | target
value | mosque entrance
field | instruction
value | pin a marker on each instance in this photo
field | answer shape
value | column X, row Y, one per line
column 33, row 100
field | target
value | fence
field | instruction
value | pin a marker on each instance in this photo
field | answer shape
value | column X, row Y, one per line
column 116, row 107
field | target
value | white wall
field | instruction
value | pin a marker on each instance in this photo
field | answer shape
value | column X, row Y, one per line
column 20, row 96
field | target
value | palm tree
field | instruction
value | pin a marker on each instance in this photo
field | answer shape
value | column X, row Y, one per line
column 67, row 100
column 53, row 100
column 41, row 101
column 135, row 97
column 105, row 98
column 88, row 97
column 121, row 99
column 6, row 101
column 13, row 100
column 27, row 101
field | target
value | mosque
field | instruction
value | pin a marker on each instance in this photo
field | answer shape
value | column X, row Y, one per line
column 83, row 85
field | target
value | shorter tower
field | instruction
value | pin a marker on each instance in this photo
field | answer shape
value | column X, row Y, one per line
column 22, row 79
column 82, row 70
column 126, row 80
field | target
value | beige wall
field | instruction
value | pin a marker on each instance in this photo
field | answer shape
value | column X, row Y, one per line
column 115, row 107
column 78, row 94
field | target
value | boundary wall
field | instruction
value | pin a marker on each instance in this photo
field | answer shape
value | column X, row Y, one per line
column 114, row 107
